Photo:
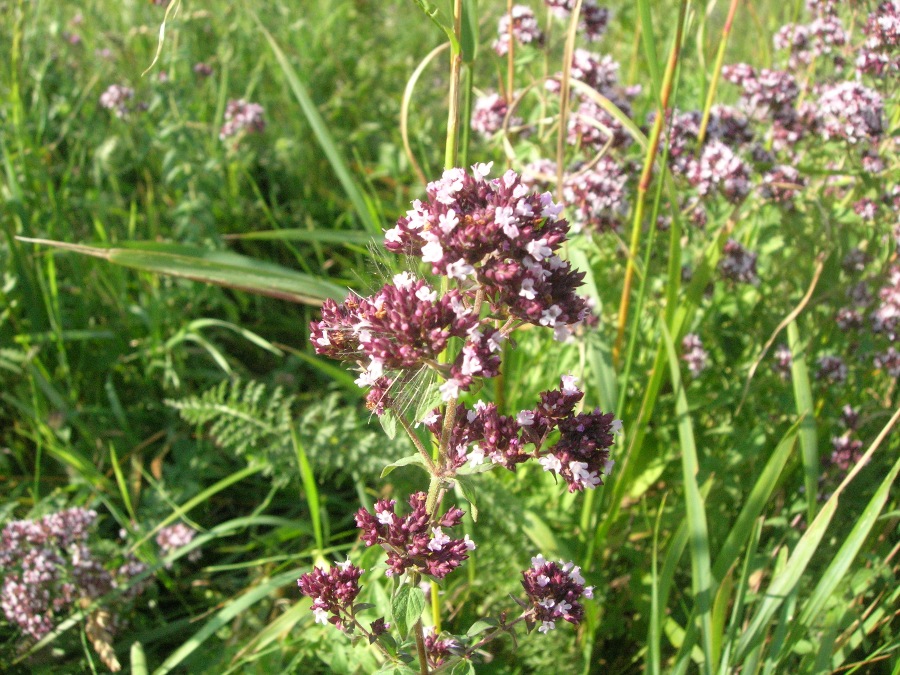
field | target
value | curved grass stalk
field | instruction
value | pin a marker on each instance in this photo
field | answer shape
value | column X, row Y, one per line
column 404, row 110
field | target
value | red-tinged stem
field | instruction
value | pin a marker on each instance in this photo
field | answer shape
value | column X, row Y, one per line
column 646, row 176
column 717, row 71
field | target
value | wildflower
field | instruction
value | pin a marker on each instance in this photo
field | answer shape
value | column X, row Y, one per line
column 48, row 566
column 846, row 452
column 242, row 117
column 783, row 361
column 738, row 264
column 413, row 541
column 332, row 591
column 719, row 169
column 886, row 318
column 598, row 196
column 850, row 111
column 525, row 29
column 488, row 115
column 438, row 649
column 202, row 69
column 555, row 591
column 116, row 98
column 593, row 20
column 693, row 354
column 831, row 368
column 781, row 184
column 174, row 537
column 889, row 362
column 500, row 225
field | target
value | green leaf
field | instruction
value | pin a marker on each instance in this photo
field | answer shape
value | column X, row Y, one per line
column 320, row 131
column 463, row 667
column 405, row 461
column 468, row 490
column 222, row 268
column 407, row 606
column 701, row 574
column 433, row 12
column 469, row 39
column 138, row 659
column 481, row 626
column 809, row 444
column 389, row 424
column 318, row 236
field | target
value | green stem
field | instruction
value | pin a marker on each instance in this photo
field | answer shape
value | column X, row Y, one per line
column 720, row 57
column 452, row 148
column 564, row 98
column 646, row 175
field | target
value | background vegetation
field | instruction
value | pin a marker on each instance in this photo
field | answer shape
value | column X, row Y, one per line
column 725, row 536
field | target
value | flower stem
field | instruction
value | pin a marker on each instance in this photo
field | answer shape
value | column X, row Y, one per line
column 720, row 57
column 646, row 175
column 452, row 148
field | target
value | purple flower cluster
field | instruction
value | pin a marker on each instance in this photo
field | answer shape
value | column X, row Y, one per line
column 738, row 264
column 202, row 69
column 415, row 541
column 332, row 591
column 851, row 111
column 488, row 114
column 719, row 169
column 886, row 318
column 593, row 20
column 809, row 41
column 48, row 566
column 555, row 591
column 781, row 184
column 439, row 649
column 502, row 236
column 783, row 362
column 525, row 29
column 241, row 118
column 597, row 196
column 580, row 455
column 880, row 54
column 175, row 536
column 831, row 368
column 693, row 354
column 116, row 98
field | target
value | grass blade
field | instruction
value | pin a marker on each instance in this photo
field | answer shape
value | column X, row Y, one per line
column 320, row 131
column 701, row 573
column 221, row 268
column 809, row 443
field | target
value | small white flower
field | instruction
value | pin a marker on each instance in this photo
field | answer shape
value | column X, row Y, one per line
column 588, row 592
column 525, row 418
column 549, row 316
column 547, row 603
column 459, row 269
column 527, row 291
column 548, row 208
column 426, row 294
column 476, row 455
column 562, row 332
column 543, row 580
column 321, row 615
column 546, row 627
column 481, row 171
column 538, row 561
column 439, row 540
column 448, row 221
column 432, row 252
column 550, row 463
column 403, row 280
column 539, row 249
column 344, row 565
column 616, row 426
column 470, row 545
column 449, row 390
column 394, row 234
column 430, row 418
column 568, row 385
column 385, row 518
